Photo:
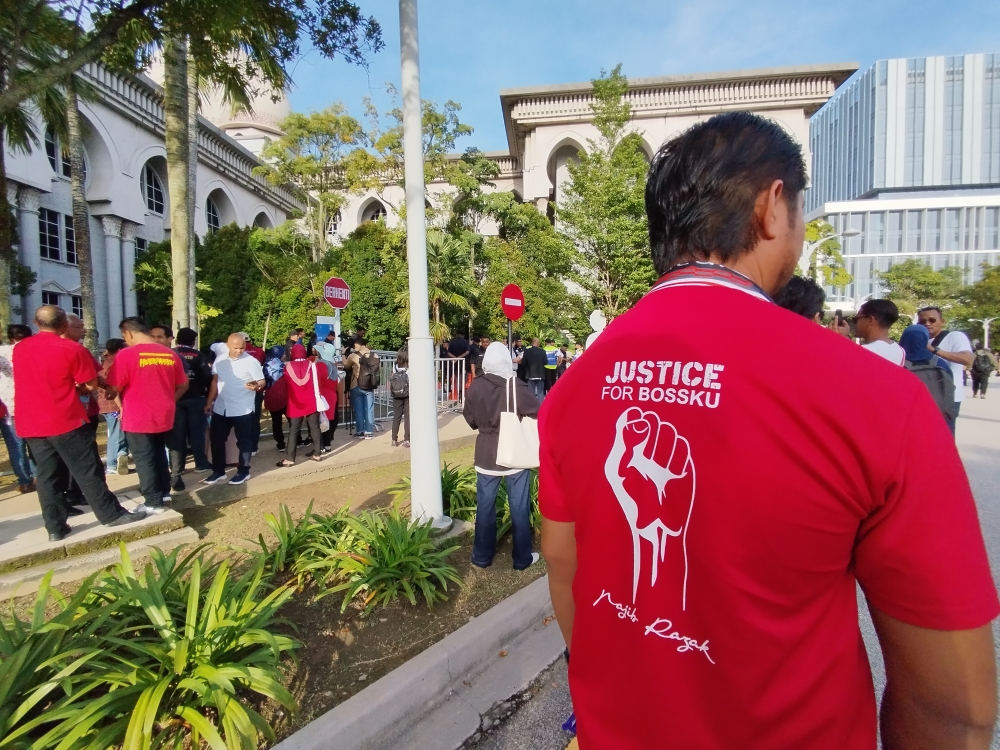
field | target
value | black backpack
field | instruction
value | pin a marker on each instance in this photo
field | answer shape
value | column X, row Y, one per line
column 399, row 384
column 982, row 364
column 940, row 384
column 369, row 372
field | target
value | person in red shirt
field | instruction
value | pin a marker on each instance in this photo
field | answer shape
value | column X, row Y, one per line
column 149, row 378
column 50, row 373
column 708, row 516
column 302, row 381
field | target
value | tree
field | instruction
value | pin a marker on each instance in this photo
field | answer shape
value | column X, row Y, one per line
column 176, row 140
column 604, row 210
column 81, row 217
column 980, row 301
column 310, row 156
column 450, row 283
column 913, row 284
column 826, row 264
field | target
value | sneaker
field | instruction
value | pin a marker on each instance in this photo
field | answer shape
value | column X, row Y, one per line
column 368, row 437
column 178, row 485
column 324, row 451
column 253, row 453
column 153, row 510
column 240, row 477
column 406, row 443
column 203, row 471
column 123, row 465
column 281, row 449
column 359, row 435
column 395, row 443
column 214, row 477
column 127, row 518
column 307, row 441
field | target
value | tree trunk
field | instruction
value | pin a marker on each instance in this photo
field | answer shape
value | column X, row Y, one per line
column 6, row 236
column 192, row 97
column 81, row 217
column 175, row 111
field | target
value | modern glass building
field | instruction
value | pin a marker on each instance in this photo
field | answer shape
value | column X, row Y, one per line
column 908, row 154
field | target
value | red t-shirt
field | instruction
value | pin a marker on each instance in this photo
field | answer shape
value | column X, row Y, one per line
column 256, row 352
column 47, row 370
column 727, row 496
column 146, row 375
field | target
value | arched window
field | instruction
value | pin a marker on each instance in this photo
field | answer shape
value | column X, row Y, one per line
column 152, row 190
column 212, row 216
column 58, row 159
column 374, row 212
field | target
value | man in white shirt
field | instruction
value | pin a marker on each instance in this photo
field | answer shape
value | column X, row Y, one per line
column 236, row 378
column 951, row 346
column 872, row 324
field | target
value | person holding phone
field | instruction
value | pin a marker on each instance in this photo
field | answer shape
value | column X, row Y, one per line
column 236, row 378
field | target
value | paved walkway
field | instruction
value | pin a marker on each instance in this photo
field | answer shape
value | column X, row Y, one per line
column 536, row 724
column 24, row 544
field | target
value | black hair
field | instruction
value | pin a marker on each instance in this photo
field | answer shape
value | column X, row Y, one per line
column 403, row 358
column 17, row 332
column 882, row 311
column 801, row 296
column 115, row 345
column 134, row 325
column 361, row 340
column 167, row 330
column 935, row 308
column 186, row 336
column 703, row 184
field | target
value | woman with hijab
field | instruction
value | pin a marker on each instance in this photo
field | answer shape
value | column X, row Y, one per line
column 933, row 371
column 276, row 395
column 302, row 382
column 485, row 400
column 328, row 389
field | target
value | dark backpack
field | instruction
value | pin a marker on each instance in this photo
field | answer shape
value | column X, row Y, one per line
column 399, row 384
column 982, row 364
column 940, row 384
column 369, row 372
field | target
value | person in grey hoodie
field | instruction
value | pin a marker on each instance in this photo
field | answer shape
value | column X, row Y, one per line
column 486, row 398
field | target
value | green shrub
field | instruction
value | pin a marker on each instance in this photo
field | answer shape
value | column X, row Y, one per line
column 458, row 491
column 394, row 556
column 169, row 658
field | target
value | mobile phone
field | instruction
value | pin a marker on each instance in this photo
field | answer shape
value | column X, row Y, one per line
column 840, row 316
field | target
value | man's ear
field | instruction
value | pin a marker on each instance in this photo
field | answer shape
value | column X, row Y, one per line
column 766, row 209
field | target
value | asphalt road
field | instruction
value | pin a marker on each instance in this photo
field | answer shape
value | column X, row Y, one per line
column 536, row 725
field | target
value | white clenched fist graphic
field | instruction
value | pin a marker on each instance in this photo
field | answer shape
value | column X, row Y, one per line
column 652, row 475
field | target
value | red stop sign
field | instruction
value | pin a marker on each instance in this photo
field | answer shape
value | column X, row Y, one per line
column 337, row 293
column 512, row 302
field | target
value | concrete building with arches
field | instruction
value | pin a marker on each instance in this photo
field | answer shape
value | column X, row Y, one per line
column 548, row 126
column 127, row 196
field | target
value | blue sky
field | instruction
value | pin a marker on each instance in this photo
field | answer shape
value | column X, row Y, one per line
column 473, row 48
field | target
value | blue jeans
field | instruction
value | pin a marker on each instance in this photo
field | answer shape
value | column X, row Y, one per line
column 484, row 543
column 17, row 449
column 363, row 406
column 117, row 446
column 537, row 386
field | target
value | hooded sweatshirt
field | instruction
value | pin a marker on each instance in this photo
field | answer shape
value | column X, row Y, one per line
column 486, row 398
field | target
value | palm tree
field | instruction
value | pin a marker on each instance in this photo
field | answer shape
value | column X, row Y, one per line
column 192, row 94
column 177, row 141
column 449, row 282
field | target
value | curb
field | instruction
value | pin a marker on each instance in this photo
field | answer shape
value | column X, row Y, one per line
column 396, row 702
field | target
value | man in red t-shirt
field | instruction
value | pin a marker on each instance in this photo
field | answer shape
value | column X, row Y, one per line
column 150, row 378
column 709, row 514
column 50, row 374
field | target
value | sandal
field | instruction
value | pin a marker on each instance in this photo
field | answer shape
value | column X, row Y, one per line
column 314, row 457
column 285, row 463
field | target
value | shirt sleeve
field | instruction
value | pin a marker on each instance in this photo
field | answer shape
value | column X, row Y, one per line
column 84, row 368
column 920, row 556
column 256, row 371
column 552, row 498
column 956, row 342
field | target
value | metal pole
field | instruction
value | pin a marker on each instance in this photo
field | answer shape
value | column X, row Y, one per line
column 425, row 454
column 510, row 336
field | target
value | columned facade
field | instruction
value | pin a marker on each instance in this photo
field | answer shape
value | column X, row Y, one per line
column 27, row 225
column 112, row 226
column 129, row 230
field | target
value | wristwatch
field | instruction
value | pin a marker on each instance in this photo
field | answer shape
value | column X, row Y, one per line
column 934, row 349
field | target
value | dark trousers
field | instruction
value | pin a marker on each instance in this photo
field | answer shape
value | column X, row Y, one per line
column 550, row 378
column 312, row 423
column 149, row 451
column 484, row 543
column 326, row 438
column 276, row 428
column 189, row 425
column 400, row 411
column 258, row 408
column 219, row 433
column 980, row 382
column 75, row 450
column 72, row 492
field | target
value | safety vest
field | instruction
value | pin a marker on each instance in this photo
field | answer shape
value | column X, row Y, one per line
column 551, row 354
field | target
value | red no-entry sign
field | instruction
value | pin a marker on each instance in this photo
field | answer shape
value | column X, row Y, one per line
column 337, row 293
column 512, row 302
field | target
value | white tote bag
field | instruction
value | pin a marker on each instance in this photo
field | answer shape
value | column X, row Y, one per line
column 518, row 445
column 321, row 403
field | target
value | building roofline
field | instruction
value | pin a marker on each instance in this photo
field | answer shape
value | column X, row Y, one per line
column 901, row 204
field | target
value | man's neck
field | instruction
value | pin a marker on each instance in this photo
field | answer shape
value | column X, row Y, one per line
column 878, row 336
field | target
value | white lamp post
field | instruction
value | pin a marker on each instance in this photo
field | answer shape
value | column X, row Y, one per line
column 986, row 329
column 425, row 454
column 809, row 247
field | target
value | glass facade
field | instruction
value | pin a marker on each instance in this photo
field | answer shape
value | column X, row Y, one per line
column 906, row 124
column 965, row 237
